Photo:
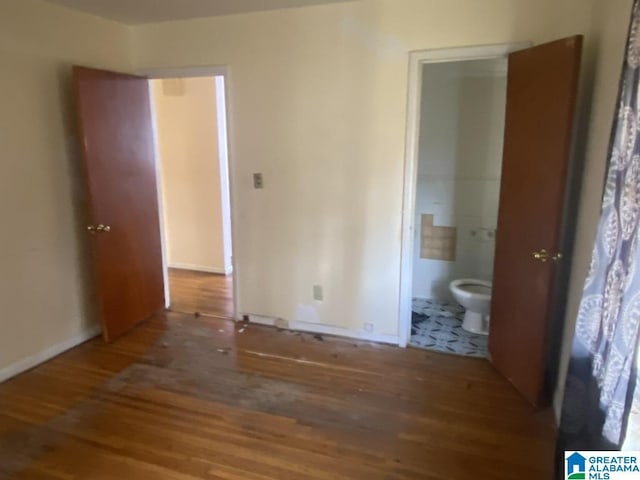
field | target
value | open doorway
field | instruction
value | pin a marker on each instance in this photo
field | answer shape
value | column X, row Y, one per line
column 194, row 197
column 457, row 192
column 509, row 292
column 521, row 307
column 441, row 170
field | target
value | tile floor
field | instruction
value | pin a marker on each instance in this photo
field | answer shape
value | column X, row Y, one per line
column 437, row 325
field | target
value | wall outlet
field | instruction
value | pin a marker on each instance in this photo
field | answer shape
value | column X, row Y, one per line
column 318, row 294
column 257, row 180
column 368, row 327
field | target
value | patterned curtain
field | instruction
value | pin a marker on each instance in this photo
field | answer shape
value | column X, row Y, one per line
column 602, row 371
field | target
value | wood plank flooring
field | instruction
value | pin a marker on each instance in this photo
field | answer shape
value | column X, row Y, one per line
column 201, row 292
column 185, row 398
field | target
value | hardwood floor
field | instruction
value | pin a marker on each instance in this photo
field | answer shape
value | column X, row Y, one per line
column 189, row 398
column 205, row 293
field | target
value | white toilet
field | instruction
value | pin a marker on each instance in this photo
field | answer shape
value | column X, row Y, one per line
column 475, row 296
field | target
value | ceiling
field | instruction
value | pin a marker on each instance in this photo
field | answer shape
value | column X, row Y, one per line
column 136, row 12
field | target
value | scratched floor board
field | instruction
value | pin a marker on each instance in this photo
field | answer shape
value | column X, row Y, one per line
column 183, row 398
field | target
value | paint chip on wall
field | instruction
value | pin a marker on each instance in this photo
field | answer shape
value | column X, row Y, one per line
column 437, row 243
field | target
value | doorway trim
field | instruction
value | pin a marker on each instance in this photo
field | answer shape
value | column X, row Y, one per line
column 417, row 59
column 213, row 72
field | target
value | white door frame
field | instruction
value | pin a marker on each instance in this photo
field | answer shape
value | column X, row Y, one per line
column 186, row 72
column 416, row 61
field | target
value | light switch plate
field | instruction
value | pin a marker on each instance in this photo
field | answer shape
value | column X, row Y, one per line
column 257, row 180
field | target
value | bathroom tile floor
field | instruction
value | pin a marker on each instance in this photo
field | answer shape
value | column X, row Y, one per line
column 437, row 325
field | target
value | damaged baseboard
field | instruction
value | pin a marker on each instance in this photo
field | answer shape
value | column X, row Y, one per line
column 32, row 361
column 324, row 329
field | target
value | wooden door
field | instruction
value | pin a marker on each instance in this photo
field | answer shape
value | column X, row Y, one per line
column 115, row 126
column 541, row 99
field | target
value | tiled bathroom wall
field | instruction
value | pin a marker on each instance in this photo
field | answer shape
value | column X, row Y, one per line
column 462, row 130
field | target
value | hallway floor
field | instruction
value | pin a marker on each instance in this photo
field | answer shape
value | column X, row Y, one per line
column 204, row 293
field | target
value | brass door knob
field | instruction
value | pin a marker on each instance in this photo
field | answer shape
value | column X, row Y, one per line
column 93, row 229
column 544, row 256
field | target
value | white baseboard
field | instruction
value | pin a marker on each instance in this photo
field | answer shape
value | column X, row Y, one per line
column 261, row 320
column 326, row 330
column 200, row 268
column 28, row 363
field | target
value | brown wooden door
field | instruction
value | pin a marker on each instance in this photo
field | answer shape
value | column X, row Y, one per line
column 541, row 99
column 114, row 117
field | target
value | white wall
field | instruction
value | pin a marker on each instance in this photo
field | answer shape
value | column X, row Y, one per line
column 44, row 287
column 187, row 123
column 460, row 159
column 610, row 26
column 319, row 102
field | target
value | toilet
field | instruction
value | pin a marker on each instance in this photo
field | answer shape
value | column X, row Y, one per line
column 475, row 296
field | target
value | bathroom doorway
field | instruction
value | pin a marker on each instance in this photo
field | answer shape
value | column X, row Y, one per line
column 513, row 291
column 456, row 202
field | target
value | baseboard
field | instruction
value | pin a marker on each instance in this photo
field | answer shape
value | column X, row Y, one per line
column 28, row 363
column 200, row 268
column 325, row 330
column 261, row 320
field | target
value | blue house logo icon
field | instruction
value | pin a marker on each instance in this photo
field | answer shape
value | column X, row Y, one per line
column 576, row 467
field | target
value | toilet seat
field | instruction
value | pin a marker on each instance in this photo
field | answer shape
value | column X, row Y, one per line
column 467, row 287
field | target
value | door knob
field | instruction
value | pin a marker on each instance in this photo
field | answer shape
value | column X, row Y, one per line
column 93, row 229
column 544, row 256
